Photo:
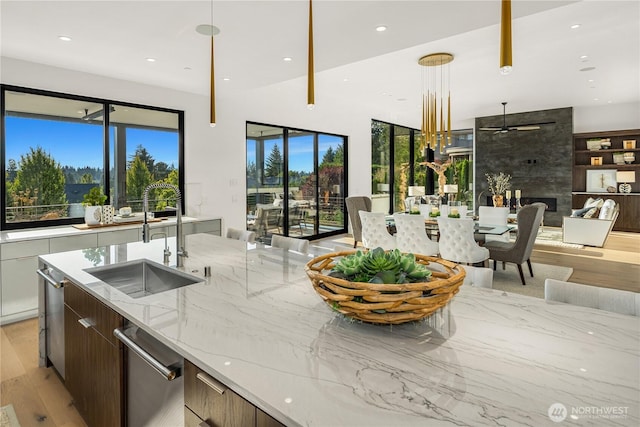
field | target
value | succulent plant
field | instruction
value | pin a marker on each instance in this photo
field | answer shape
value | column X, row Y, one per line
column 380, row 266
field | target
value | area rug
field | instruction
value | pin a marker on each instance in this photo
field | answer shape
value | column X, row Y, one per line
column 508, row 280
column 553, row 237
column 8, row 417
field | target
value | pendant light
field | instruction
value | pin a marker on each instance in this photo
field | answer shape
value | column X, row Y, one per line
column 212, row 94
column 505, row 38
column 310, row 77
column 436, row 129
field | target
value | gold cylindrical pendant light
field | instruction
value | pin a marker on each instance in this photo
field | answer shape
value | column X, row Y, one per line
column 310, row 78
column 505, row 38
column 436, row 126
column 212, row 95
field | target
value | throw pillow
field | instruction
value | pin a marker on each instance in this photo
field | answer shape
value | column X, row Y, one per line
column 590, row 213
column 593, row 203
column 580, row 212
column 608, row 207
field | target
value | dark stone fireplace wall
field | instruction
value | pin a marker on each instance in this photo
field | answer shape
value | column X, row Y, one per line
column 539, row 161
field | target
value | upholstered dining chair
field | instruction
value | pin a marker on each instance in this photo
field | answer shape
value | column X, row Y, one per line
column 480, row 277
column 529, row 219
column 614, row 300
column 290, row 243
column 374, row 231
column 411, row 235
column 243, row 235
column 457, row 243
column 356, row 204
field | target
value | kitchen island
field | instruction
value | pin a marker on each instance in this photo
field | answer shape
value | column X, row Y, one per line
column 488, row 358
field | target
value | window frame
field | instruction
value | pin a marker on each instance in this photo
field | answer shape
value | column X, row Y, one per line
column 106, row 103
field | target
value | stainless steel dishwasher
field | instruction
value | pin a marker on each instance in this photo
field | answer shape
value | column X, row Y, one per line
column 155, row 386
column 52, row 282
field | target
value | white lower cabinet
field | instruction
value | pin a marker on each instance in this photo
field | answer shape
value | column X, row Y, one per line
column 19, row 288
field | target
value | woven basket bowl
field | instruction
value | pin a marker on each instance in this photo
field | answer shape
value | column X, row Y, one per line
column 385, row 303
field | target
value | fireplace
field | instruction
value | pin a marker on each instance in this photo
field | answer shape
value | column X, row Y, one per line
column 551, row 202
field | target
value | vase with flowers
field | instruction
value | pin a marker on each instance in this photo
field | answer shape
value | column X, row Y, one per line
column 498, row 184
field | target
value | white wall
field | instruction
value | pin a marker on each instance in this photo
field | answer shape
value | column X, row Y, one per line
column 215, row 157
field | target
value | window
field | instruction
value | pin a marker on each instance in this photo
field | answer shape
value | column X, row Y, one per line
column 296, row 181
column 397, row 163
column 56, row 147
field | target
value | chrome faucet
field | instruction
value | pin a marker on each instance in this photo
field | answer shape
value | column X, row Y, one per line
column 180, row 249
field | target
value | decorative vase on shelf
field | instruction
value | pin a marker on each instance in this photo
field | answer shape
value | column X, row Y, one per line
column 92, row 215
column 498, row 201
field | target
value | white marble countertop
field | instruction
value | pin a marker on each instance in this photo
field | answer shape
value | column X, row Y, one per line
column 488, row 358
column 10, row 236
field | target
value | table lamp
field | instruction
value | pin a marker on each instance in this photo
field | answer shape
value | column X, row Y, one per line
column 625, row 178
column 451, row 190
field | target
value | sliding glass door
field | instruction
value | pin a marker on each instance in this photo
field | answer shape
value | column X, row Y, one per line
column 295, row 182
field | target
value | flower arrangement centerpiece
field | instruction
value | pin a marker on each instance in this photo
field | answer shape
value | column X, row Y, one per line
column 498, row 184
column 386, row 287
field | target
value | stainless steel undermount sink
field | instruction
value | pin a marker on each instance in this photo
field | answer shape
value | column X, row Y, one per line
column 142, row 277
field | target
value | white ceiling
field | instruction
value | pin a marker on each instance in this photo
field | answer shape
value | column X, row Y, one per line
column 114, row 38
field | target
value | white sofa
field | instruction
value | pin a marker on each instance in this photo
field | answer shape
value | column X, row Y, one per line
column 594, row 230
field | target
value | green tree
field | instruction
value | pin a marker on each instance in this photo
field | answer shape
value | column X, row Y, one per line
column 165, row 195
column 160, row 171
column 328, row 157
column 142, row 154
column 39, row 172
column 87, row 178
column 274, row 163
column 138, row 178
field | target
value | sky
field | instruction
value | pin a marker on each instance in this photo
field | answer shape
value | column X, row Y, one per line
column 300, row 150
column 80, row 144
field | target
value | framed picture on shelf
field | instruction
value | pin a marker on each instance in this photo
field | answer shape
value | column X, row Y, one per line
column 599, row 180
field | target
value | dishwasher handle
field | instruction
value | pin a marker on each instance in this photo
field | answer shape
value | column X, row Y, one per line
column 168, row 373
column 50, row 280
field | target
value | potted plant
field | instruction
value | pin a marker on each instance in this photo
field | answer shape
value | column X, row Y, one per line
column 92, row 201
column 498, row 184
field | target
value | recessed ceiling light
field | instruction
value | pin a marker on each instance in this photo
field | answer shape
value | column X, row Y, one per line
column 381, row 28
column 596, row 99
column 590, row 80
column 588, row 69
column 151, row 60
column 575, row 26
column 345, row 79
column 64, row 38
column 583, row 57
column 287, row 59
column 226, row 79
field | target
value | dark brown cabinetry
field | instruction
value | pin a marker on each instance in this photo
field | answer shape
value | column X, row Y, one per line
column 603, row 161
column 211, row 402
column 93, row 358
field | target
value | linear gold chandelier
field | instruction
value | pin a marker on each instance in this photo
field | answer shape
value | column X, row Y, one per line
column 505, row 38
column 310, row 77
column 436, row 130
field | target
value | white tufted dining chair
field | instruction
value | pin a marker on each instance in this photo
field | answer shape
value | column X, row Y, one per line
column 374, row 231
column 491, row 215
column 411, row 235
column 457, row 243
column 480, row 277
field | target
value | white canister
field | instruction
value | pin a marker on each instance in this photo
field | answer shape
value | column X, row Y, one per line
column 92, row 215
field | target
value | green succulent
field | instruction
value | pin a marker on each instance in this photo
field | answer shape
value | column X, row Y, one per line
column 380, row 266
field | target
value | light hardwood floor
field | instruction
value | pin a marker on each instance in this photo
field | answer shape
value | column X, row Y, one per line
column 40, row 399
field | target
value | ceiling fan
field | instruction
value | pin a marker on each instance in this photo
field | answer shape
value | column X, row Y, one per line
column 504, row 128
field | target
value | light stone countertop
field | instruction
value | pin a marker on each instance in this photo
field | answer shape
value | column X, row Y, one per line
column 488, row 358
column 10, row 236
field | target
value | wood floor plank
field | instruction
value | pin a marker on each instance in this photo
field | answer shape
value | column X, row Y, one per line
column 29, row 408
column 56, row 398
column 10, row 366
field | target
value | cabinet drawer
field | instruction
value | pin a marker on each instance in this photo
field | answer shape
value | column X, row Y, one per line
column 71, row 243
column 215, row 403
column 103, row 319
column 118, row 237
column 25, row 249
